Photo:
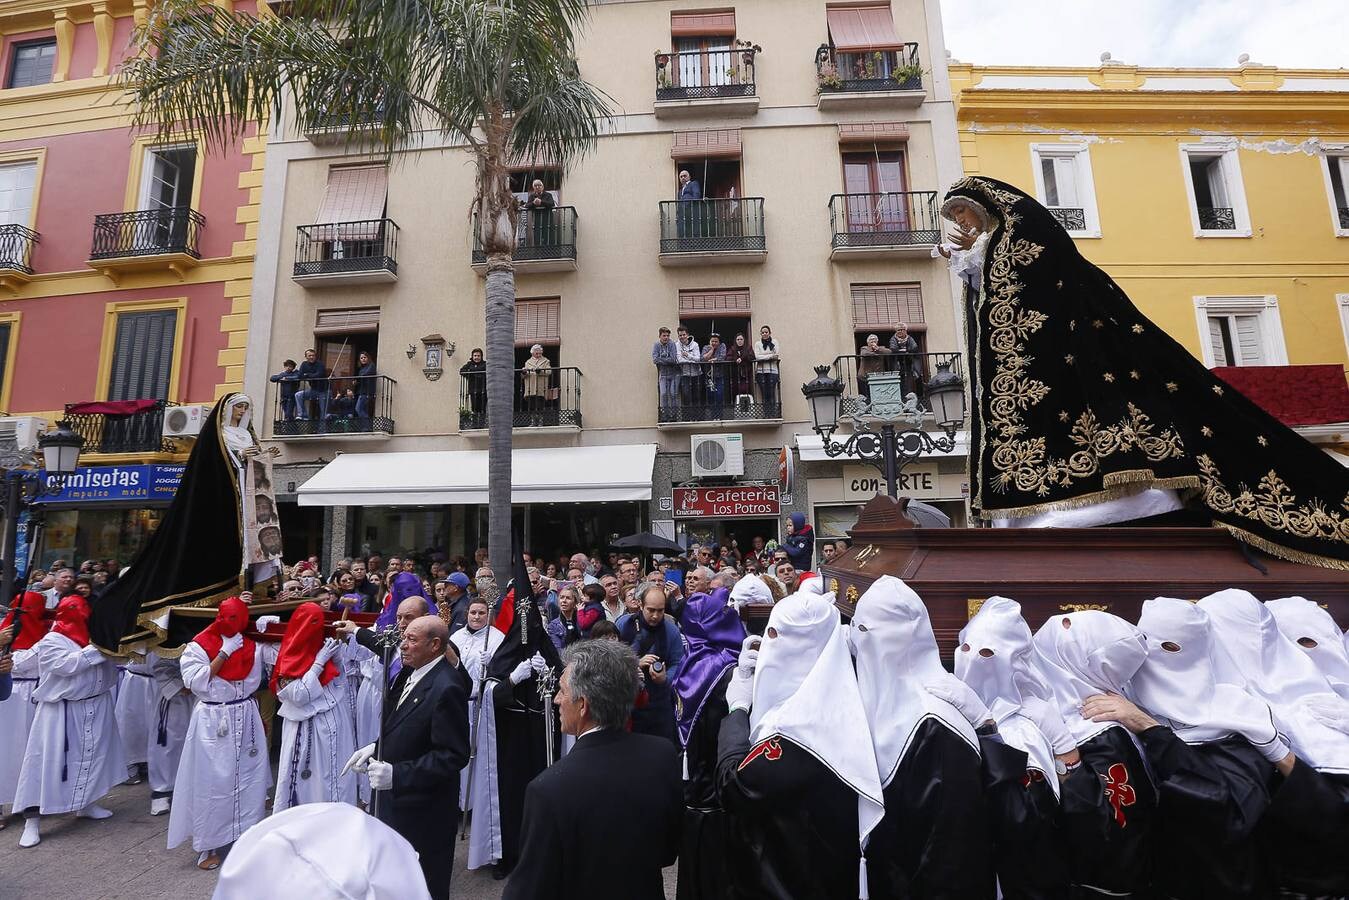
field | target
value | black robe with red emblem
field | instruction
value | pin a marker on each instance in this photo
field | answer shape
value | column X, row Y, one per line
column 1109, row 809
column 1211, row 797
column 793, row 818
column 1028, row 848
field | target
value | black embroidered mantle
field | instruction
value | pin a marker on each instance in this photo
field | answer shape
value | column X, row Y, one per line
column 1079, row 398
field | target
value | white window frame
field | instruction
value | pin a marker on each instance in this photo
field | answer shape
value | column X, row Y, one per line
column 1226, row 152
column 1335, row 155
column 1265, row 308
column 1080, row 154
column 1342, row 301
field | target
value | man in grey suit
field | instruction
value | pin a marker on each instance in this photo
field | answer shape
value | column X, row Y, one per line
column 690, row 214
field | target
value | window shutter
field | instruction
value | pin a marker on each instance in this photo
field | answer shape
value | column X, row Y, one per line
column 32, row 63
column 1049, row 173
column 1250, row 346
column 142, row 360
column 538, row 322
column 5, row 331
column 1217, row 186
column 1215, row 341
column 703, row 24
column 884, row 305
column 710, row 304
column 1065, row 176
column 346, row 321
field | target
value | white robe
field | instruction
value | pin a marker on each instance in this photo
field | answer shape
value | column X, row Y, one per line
column 74, row 755
column 316, row 741
column 222, row 782
column 475, row 649
column 16, row 721
column 171, row 712
column 136, row 702
column 369, row 702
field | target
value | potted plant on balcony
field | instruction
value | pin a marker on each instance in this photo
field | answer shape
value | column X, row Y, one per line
column 747, row 51
column 907, row 72
column 828, row 78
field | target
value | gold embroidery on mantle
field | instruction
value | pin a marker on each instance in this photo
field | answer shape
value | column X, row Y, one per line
column 1083, row 607
column 1274, row 506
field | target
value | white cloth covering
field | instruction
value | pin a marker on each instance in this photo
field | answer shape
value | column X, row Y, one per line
column 806, row 691
column 1147, row 502
column 16, row 722
column 366, row 671
column 1301, row 621
column 1179, row 686
column 221, row 789
column 751, row 591
column 1253, row 651
column 74, row 755
column 896, row 653
column 484, row 838
column 327, row 850
column 136, row 698
column 237, row 437
column 1007, row 678
column 1096, row 653
column 475, row 651
column 168, row 724
column 316, row 741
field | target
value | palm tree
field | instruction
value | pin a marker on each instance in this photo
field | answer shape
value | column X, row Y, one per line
column 499, row 76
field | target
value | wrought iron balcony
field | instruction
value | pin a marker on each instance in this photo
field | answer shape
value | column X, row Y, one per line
column 350, row 406
column 147, row 232
column 541, row 398
column 703, row 81
column 545, row 241
column 139, row 430
column 890, row 76
column 917, row 368
column 712, row 230
column 1071, row 219
column 716, row 392
column 1217, row 218
column 904, row 221
column 16, row 248
column 346, row 252
column 340, row 127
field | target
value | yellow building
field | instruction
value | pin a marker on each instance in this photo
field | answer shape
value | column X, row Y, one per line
column 1215, row 197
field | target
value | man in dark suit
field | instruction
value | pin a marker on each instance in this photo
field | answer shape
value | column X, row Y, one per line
column 425, row 746
column 638, row 813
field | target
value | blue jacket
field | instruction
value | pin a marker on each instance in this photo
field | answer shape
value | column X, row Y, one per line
column 290, row 383
column 311, row 372
column 691, row 191
column 365, row 386
column 670, row 647
column 800, row 546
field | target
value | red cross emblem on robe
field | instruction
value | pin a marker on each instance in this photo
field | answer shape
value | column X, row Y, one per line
column 1118, row 791
column 769, row 749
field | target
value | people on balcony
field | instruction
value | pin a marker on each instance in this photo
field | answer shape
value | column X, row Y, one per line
column 689, row 355
column 766, row 356
column 872, row 360
column 666, row 361
column 741, row 358
column 474, row 375
column 365, row 386
column 534, row 380
column 289, row 381
column 689, row 213
column 538, row 206
column 906, row 362
column 315, row 378
column 343, row 406
column 715, row 372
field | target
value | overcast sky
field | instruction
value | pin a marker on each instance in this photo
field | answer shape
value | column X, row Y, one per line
column 1288, row 33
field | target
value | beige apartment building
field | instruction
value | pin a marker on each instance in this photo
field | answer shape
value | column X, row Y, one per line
column 821, row 136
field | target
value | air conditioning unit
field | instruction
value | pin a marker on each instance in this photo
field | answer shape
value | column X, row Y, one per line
column 184, row 421
column 717, row 455
column 21, row 432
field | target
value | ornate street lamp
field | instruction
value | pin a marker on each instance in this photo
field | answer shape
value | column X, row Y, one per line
column 60, row 458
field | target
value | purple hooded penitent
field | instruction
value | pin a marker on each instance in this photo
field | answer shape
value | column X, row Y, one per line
column 403, row 586
column 714, row 635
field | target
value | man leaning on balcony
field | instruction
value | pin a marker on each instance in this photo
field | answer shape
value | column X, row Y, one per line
column 289, row 381
column 666, row 360
column 315, row 377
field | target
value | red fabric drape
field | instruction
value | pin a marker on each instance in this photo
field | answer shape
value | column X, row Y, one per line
column 112, row 407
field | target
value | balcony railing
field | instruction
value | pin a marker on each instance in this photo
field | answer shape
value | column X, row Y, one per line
column 540, row 234
column 873, row 70
column 16, row 248
column 347, row 248
column 1217, row 218
column 1071, row 219
column 693, row 226
column 136, row 432
column 907, row 218
column 716, row 391
column 916, row 368
column 541, row 398
column 705, row 74
column 354, row 405
column 147, row 232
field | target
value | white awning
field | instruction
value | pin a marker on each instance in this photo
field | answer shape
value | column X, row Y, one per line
column 811, row 448
column 444, row 477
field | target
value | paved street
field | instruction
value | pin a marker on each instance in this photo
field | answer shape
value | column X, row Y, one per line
column 123, row 858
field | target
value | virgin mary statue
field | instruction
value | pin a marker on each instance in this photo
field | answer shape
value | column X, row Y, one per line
column 203, row 551
column 1081, row 404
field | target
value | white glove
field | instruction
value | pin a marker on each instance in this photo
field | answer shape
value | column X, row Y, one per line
column 961, row 696
column 327, row 651
column 740, row 689
column 380, row 774
column 521, row 672
column 536, row 662
column 749, row 657
column 1330, row 710
column 1049, row 720
column 263, row 621
column 230, row 644
column 359, row 760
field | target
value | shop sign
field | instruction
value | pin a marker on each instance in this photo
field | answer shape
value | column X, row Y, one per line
column 113, row 484
column 918, row 481
column 733, row 502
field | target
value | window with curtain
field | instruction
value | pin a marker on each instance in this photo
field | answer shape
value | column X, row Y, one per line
column 142, row 355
